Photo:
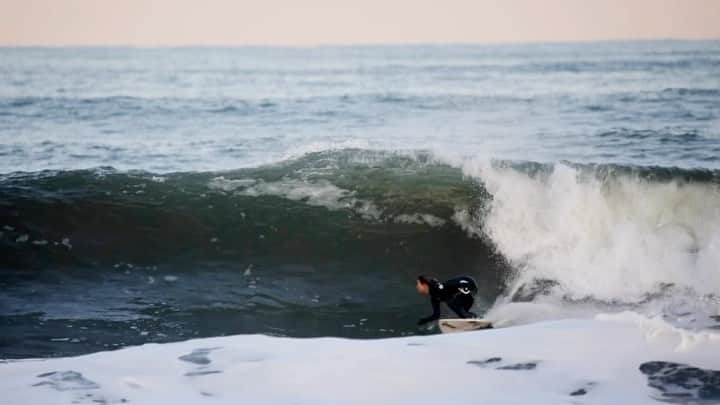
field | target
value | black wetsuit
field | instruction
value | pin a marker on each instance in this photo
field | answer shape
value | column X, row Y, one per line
column 458, row 293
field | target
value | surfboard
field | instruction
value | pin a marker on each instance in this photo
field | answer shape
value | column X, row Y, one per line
column 463, row 325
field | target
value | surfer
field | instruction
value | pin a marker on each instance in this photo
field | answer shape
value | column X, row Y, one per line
column 458, row 293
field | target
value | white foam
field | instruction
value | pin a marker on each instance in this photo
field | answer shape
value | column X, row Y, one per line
column 616, row 239
column 599, row 355
column 66, row 242
column 469, row 221
column 420, row 219
column 320, row 193
column 223, row 184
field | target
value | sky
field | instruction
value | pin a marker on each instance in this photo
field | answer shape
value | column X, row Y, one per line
column 335, row 22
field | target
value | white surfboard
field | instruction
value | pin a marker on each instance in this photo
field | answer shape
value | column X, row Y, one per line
column 463, row 325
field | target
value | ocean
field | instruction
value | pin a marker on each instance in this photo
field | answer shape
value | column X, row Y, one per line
column 152, row 195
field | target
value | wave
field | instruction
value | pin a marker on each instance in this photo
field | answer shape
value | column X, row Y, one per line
column 616, row 235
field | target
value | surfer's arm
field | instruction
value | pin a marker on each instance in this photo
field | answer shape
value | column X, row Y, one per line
column 435, row 315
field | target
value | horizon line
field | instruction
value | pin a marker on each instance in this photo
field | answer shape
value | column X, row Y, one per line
column 367, row 44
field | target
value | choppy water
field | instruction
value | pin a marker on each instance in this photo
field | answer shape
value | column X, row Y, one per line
column 160, row 194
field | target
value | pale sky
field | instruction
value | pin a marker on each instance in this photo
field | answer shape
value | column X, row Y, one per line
column 318, row 22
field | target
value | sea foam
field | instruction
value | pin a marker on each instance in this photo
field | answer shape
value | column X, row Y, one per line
column 609, row 359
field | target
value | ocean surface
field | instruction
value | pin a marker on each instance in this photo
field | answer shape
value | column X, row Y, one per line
column 163, row 194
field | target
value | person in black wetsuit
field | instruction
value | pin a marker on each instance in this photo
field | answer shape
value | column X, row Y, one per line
column 458, row 293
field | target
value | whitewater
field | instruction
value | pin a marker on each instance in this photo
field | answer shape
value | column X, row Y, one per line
column 182, row 225
column 537, row 363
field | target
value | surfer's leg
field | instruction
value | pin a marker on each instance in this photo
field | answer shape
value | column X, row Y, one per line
column 461, row 304
column 469, row 303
